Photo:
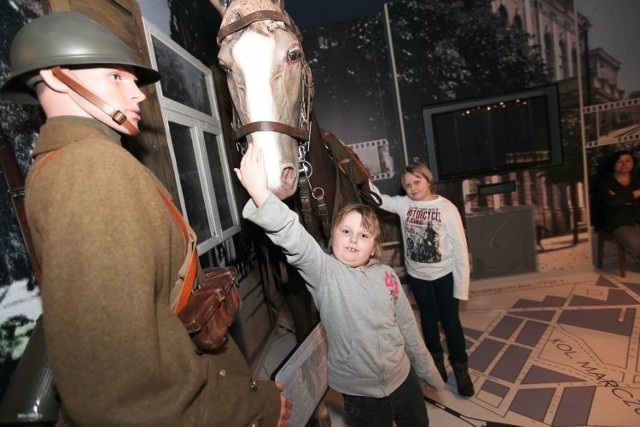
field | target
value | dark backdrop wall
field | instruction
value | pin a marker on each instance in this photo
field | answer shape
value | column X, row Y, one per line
column 19, row 297
column 354, row 92
column 442, row 51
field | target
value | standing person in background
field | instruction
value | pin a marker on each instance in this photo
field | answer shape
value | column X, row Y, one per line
column 376, row 353
column 618, row 200
column 110, row 249
column 437, row 263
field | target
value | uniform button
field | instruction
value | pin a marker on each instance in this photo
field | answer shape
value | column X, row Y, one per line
column 222, row 372
column 255, row 424
column 253, row 386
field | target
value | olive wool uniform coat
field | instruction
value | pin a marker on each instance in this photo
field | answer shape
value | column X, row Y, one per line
column 110, row 252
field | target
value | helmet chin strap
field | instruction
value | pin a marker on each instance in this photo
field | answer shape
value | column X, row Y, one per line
column 116, row 115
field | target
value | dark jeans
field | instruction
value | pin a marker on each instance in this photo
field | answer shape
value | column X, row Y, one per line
column 437, row 305
column 405, row 406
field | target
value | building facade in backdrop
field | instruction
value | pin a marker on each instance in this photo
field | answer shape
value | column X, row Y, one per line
column 551, row 25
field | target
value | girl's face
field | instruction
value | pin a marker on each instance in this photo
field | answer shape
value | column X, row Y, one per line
column 416, row 186
column 624, row 164
column 351, row 243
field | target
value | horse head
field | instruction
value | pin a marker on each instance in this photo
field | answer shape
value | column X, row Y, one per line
column 270, row 84
column 271, row 88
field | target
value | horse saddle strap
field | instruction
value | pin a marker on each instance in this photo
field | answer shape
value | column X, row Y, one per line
column 305, row 199
column 369, row 196
column 300, row 134
column 323, row 212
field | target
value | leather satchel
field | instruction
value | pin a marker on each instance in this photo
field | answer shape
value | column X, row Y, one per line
column 207, row 306
column 211, row 308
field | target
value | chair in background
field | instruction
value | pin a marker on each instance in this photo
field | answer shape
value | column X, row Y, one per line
column 608, row 237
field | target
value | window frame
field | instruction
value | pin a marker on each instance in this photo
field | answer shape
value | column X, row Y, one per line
column 198, row 123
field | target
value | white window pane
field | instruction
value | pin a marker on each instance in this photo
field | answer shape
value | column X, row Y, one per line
column 190, row 180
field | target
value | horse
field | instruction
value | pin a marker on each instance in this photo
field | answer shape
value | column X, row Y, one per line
column 271, row 88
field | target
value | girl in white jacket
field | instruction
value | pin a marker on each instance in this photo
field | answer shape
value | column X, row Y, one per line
column 437, row 262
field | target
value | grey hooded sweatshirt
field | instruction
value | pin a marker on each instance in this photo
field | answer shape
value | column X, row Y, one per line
column 373, row 337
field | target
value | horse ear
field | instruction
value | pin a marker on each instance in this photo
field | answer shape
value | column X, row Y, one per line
column 220, row 5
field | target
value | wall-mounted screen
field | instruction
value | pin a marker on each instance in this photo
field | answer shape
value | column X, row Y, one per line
column 491, row 135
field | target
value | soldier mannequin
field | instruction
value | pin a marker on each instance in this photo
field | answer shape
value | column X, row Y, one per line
column 110, row 250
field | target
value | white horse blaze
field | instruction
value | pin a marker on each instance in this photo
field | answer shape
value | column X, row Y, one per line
column 253, row 53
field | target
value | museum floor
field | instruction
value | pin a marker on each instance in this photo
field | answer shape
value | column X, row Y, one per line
column 556, row 348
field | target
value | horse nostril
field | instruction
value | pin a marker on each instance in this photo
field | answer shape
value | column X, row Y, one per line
column 288, row 175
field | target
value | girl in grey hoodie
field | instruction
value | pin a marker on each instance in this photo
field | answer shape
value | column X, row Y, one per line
column 375, row 351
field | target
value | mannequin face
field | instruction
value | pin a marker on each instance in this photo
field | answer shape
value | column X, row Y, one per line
column 116, row 86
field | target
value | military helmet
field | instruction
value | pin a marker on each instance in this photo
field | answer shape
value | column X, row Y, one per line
column 65, row 39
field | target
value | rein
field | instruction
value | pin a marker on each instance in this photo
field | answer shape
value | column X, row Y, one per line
column 307, row 191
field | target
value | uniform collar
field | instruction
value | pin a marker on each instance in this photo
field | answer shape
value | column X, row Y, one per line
column 60, row 131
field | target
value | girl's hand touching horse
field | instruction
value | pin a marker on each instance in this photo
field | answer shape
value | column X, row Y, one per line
column 253, row 175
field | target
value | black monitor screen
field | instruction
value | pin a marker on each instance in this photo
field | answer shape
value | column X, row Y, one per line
column 492, row 135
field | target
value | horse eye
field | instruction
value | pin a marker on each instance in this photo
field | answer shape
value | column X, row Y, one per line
column 224, row 68
column 294, row 55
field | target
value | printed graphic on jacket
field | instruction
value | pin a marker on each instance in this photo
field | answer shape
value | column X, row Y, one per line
column 392, row 284
column 422, row 227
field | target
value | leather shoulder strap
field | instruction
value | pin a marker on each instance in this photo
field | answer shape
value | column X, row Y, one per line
column 187, row 274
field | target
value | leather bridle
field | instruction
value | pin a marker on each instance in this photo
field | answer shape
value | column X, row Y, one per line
column 299, row 133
